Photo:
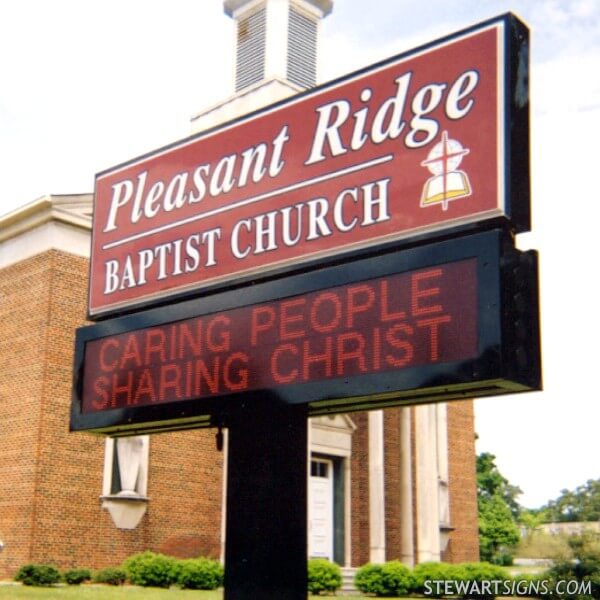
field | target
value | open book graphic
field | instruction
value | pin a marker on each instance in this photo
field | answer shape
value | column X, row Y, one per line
column 445, row 187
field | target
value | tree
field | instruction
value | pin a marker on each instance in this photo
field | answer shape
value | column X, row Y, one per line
column 498, row 511
column 498, row 532
column 490, row 482
column 580, row 504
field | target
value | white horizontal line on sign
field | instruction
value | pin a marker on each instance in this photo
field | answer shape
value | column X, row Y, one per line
column 253, row 199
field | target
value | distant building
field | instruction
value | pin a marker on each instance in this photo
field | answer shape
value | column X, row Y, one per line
column 392, row 484
column 570, row 527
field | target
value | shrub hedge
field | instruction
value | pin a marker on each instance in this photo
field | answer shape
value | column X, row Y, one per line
column 38, row 575
column 77, row 576
column 391, row 579
column 323, row 576
column 433, row 571
column 395, row 579
column 150, row 569
column 385, row 580
column 110, row 576
column 200, row 574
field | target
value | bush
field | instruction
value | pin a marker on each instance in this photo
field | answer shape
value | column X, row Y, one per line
column 38, row 575
column 323, row 576
column 110, row 576
column 430, row 572
column 150, row 569
column 479, row 573
column 77, row 576
column 200, row 574
column 368, row 579
column 582, row 566
column 386, row 580
column 503, row 558
column 397, row 579
column 533, row 585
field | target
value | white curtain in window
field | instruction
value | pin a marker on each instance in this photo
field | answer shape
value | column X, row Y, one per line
column 129, row 453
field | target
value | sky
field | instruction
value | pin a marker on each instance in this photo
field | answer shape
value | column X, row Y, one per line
column 87, row 85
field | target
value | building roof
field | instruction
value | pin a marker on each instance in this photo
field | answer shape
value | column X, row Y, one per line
column 61, row 222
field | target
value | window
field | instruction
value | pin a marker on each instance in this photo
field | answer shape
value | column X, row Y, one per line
column 319, row 468
column 302, row 49
column 126, row 467
column 251, row 43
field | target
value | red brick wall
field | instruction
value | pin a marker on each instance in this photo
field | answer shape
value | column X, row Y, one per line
column 24, row 294
column 50, row 479
column 360, row 490
column 391, row 428
column 464, row 540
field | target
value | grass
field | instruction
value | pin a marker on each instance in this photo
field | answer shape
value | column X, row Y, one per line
column 93, row 592
column 540, row 544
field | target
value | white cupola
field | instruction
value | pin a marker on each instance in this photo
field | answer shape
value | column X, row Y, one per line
column 276, row 38
column 276, row 54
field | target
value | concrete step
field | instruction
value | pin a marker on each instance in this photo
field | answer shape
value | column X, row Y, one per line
column 348, row 588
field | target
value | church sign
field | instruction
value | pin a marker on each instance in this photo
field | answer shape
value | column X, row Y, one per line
column 431, row 140
column 424, row 324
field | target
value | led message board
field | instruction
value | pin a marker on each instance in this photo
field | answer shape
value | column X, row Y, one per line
column 425, row 324
column 430, row 140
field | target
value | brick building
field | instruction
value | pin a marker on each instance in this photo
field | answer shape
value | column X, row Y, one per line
column 393, row 484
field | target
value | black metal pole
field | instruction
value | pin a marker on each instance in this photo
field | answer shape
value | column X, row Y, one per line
column 265, row 551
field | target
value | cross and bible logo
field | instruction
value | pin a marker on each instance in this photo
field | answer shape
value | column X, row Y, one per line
column 448, row 182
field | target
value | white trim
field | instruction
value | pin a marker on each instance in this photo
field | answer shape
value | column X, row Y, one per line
column 427, row 490
column 49, row 223
column 376, row 488
column 109, row 451
column 48, row 236
column 276, row 42
column 224, row 494
column 74, row 209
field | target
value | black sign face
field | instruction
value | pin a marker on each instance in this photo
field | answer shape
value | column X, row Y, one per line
column 430, row 323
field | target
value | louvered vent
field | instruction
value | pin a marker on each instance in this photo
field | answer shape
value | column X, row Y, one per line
column 250, row 61
column 302, row 49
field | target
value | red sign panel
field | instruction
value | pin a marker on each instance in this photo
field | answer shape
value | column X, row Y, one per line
column 415, row 318
column 408, row 147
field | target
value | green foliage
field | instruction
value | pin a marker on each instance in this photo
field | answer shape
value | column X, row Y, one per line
column 200, row 574
column 150, row 569
column 498, row 510
column 481, row 572
column 490, row 483
column 580, row 504
column 386, row 580
column 77, row 576
column 498, row 532
column 110, row 576
column 397, row 578
column 368, row 579
column 323, row 576
column 433, row 571
column 38, row 575
column 583, row 565
column 532, row 585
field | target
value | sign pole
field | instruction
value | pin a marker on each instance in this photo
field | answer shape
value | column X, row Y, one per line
column 266, row 547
